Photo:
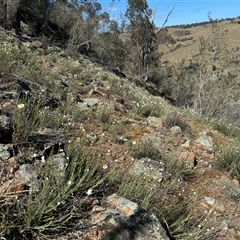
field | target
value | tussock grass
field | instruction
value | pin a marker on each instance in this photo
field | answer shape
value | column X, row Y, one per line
column 229, row 159
column 175, row 119
column 149, row 109
column 50, row 205
column 166, row 202
column 145, row 149
column 27, row 117
column 227, row 129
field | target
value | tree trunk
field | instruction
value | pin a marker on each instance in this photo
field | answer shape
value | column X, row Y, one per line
column 13, row 14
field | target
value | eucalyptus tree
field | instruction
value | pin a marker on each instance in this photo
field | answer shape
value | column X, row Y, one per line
column 142, row 32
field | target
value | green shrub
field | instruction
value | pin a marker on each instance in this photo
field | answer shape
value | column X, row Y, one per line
column 145, row 149
column 234, row 189
column 175, row 119
column 150, row 109
column 177, row 170
column 8, row 60
column 27, row 117
column 50, row 205
column 229, row 160
column 166, row 202
column 104, row 116
column 227, row 129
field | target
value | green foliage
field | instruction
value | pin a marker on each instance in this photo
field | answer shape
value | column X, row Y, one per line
column 178, row 170
column 49, row 206
column 227, row 129
column 149, row 109
column 137, row 190
column 234, row 189
column 175, row 119
column 145, row 149
column 142, row 35
column 229, row 159
column 8, row 58
column 27, row 118
column 165, row 201
column 110, row 47
column 104, row 116
column 199, row 84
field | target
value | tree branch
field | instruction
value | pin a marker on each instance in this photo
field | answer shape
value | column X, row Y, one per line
column 160, row 29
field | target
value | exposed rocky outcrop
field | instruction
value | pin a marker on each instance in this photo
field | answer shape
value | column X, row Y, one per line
column 123, row 219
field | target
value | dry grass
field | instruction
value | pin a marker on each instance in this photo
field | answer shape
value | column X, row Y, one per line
column 191, row 47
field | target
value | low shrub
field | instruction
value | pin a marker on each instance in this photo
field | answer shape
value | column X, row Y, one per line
column 175, row 119
column 150, row 109
column 229, row 160
column 145, row 149
column 50, row 204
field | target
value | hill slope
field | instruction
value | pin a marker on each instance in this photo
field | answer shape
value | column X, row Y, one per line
column 131, row 142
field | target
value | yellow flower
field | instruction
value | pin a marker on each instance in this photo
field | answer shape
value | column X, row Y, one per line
column 20, row 105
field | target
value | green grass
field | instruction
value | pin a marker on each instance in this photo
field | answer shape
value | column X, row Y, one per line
column 27, row 118
column 227, row 129
column 166, row 202
column 8, row 59
column 144, row 149
column 175, row 119
column 50, row 204
column 150, row 109
column 229, row 160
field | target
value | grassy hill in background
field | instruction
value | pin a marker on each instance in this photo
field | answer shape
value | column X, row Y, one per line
column 199, row 69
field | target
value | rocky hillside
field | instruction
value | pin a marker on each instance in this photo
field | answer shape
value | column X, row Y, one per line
column 86, row 154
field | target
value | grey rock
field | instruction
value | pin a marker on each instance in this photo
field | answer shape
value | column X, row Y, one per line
column 217, row 205
column 149, row 168
column 90, row 102
column 58, row 161
column 228, row 224
column 209, row 200
column 206, row 142
column 122, row 205
column 153, row 121
column 125, row 220
column 224, row 225
column 186, row 144
column 26, row 172
column 176, row 130
column 69, row 75
column 5, row 151
column 46, row 137
column 8, row 94
column 5, row 129
column 4, row 120
column 5, row 155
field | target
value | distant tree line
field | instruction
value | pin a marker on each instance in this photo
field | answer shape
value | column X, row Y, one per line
column 202, row 23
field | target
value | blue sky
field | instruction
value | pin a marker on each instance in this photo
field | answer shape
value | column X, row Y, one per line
column 185, row 12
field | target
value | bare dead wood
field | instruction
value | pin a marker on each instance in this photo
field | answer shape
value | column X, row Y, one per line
column 169, row 14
